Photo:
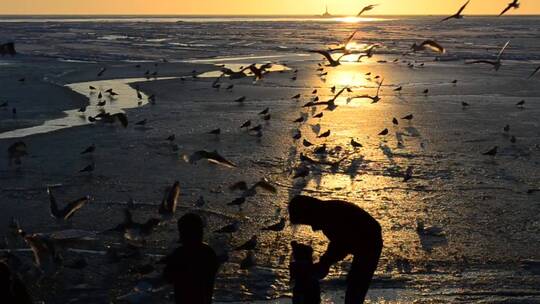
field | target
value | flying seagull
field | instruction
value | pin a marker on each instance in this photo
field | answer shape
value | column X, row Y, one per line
column 213, row 157
column 512, row 5
column 259, row 72
column 457, row 15
column 375, row 98
column 366, row 9
column 428, row 44
column 69, row 210
column 331, row 104
column 497, row 63
column 170, row 200
column 133, row 230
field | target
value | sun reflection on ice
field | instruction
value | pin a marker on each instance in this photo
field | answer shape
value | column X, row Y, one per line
column 351, row 19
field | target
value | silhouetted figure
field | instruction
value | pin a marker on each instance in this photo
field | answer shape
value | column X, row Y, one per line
column 12, row 289
column 192, row 267
column 306, row 288
column 351, row 230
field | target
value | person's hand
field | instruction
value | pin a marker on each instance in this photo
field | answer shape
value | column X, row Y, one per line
column 320, row 270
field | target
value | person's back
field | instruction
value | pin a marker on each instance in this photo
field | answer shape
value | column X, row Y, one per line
column 192, row 267
column 192, row 271
column 354, row 224
column 350, row 230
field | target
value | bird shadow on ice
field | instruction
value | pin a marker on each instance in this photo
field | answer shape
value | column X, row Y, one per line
column 354, row 168
column 431, row 237
column 412, row 132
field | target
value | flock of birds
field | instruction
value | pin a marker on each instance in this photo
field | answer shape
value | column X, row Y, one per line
column 46, row 252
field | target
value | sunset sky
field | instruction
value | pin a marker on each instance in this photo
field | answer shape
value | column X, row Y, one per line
column 259, row 7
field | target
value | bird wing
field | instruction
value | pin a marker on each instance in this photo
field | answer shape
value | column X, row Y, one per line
column 361, row 12
column 448, row 18
column 379, row 88
column 312, row 104
column 534, row 73
column 370, row 48
column 172, row 198
column 216, row 158
column 227, row 71
column 480, row 61
column 255, row 71
column 463, row 8
column 506, row 9
column 365, row 9
column 53, row 206
column 326, row 55
column 349, row 39
column 74, row 206
column 433, row 45
column 502, row 50
column 339, row 93
column 362, row 97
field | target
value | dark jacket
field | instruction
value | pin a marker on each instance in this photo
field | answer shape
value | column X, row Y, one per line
column 192, row 270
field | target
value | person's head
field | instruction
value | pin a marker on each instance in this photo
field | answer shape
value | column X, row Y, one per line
column 305, row 210
column 301, row 252
column 190, row 228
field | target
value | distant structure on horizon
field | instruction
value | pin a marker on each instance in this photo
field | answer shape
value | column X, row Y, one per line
column 327, row 14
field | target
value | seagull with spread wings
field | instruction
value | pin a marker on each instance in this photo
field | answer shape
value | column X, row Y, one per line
column 331, row 104
column 495, row 63
column 212, row 157
column 69, row 210
column 366, row 9
column 457, row 15
column 428, row 45
column 375, row 98
column 512, row 5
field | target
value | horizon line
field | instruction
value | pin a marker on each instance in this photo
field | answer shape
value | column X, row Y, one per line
column 248, row 15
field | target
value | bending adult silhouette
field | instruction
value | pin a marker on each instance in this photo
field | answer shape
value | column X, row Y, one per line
column 351, row 230
column 192, row 267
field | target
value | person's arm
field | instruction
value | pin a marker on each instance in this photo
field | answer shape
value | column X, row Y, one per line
column 168, row 271
column 333, row 254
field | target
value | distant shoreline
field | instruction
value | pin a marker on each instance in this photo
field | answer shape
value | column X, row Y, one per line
column 89, row 16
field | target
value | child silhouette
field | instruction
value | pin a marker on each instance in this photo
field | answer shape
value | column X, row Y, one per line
column 192, row 267
column 306, row 288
